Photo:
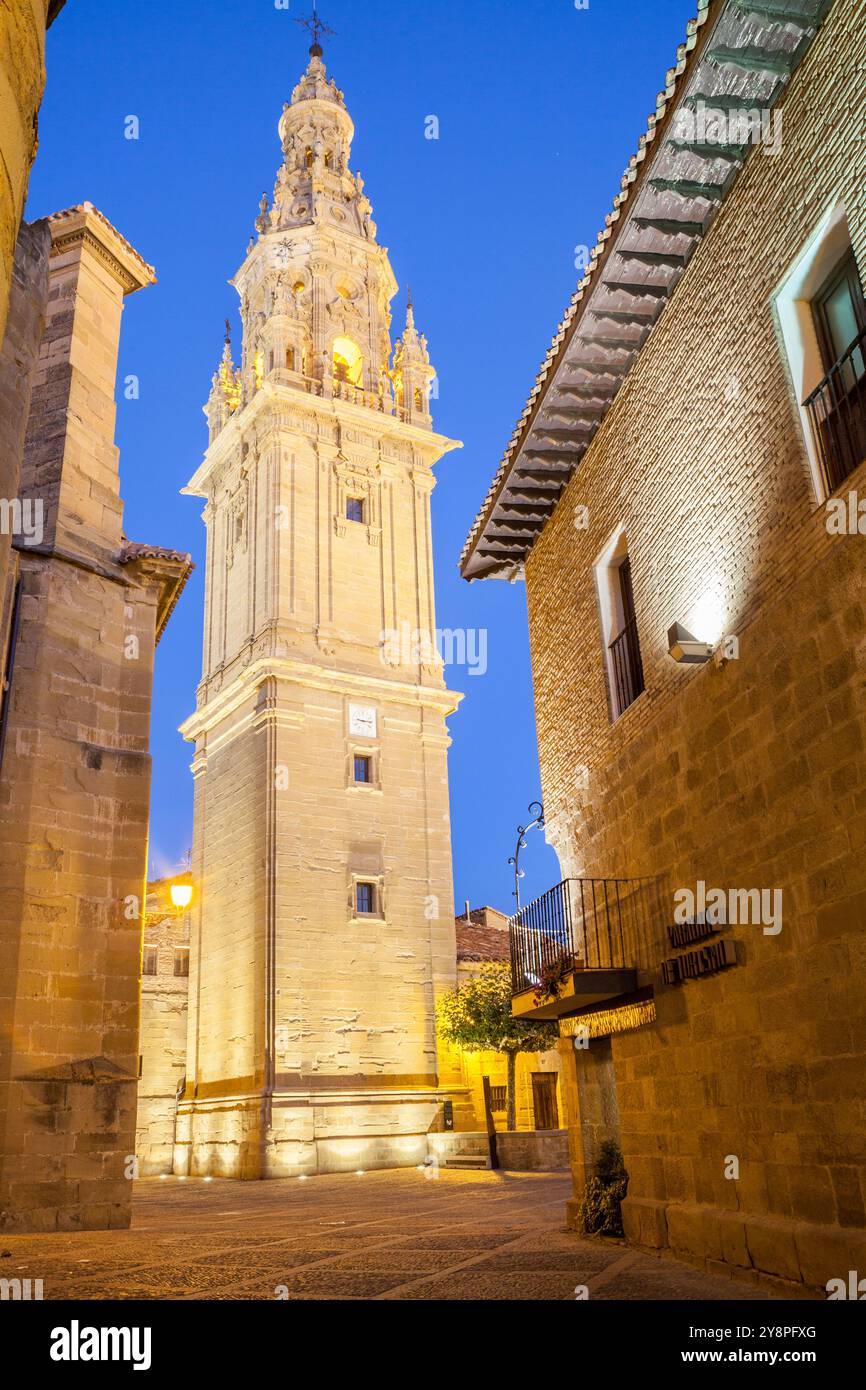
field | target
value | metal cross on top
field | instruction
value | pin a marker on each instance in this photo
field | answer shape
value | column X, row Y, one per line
column 316, row 27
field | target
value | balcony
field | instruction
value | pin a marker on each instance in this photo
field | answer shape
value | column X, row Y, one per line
column 577, row 945
column 627, row 668
column 837, row 412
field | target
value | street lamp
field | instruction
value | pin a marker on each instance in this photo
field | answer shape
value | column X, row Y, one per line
column 181, row 894
column 537, row 810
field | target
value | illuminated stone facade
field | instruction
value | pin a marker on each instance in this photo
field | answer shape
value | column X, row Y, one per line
column 323, row 923
column 163, row 1027
column 23, row 255
column 737, row 1097
column 480, row 938
column 88, row 609
column 22, row 44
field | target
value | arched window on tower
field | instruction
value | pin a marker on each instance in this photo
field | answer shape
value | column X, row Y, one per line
column 308, row 157
column 419, row 398
column 290, row 359
column 348, row 361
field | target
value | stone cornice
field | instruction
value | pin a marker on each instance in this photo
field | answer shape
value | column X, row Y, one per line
column 85, row 226
column 346, row 683
column 315, row 408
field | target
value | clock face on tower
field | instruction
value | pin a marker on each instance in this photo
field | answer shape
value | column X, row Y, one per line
column 362, row 721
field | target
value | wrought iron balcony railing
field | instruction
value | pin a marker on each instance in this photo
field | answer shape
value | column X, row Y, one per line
column 627, row 667
column 837, row 413
column 583, row 923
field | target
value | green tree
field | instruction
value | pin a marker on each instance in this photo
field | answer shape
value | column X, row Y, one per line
column 477, row 1017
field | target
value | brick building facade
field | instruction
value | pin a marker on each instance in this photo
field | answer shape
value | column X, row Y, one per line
column 700, row 487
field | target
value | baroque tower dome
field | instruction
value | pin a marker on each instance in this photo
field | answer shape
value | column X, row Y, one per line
column 316, row 286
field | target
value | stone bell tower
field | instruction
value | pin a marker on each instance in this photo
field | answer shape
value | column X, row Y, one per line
column 323, row 924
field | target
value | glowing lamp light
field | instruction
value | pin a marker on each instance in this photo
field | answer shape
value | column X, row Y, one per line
column 360, row 1172
column 685, row 648
column 707, row 618
column 181, row 894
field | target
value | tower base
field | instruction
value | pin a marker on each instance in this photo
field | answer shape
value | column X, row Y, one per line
column 286, row 1135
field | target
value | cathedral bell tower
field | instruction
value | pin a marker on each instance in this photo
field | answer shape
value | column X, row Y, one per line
column 323, row 924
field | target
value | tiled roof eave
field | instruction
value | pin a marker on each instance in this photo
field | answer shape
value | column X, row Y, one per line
column 664, row 208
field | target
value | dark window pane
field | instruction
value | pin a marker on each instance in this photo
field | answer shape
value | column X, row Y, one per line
column 837, row 406
column 150, row 958
column 181, row 962
column 362, row 769
column 498, row 1098
column 355, row 509
column 628, row 679
column 364, row 897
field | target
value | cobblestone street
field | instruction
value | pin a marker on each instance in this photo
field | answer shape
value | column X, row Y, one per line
column 383, row 1235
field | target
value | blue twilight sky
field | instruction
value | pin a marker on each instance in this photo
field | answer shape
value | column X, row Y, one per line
column 540, row 105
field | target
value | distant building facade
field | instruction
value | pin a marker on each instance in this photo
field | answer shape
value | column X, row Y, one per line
column 482, row 938
column 162, row 1032
column 684, row 495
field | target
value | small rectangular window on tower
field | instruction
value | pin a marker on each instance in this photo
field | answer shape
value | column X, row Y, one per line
column 181, row 961
column 150, row 960
column 365, row 898
column 355, row 509
column 363, row 768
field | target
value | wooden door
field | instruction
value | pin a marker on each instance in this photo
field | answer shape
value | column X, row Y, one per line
column 544, row 1106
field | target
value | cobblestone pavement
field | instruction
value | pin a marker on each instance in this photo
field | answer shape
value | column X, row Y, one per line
column 381, row 1235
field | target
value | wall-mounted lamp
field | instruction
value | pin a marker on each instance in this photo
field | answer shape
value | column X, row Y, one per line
column 181, row 894
column 685, row 648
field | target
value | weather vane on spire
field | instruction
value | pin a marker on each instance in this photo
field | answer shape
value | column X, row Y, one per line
column 317, row 28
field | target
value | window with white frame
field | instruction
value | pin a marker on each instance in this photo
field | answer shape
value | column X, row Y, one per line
column 821, row 312
column 619, row 625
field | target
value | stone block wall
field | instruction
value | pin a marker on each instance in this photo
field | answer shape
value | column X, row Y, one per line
column 22, row 81
column 75, row 778
column 747, row 775
column 20, row 350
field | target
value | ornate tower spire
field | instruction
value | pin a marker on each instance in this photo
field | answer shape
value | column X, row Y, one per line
column 316, row 28
column 412, row 372
column 316, row 286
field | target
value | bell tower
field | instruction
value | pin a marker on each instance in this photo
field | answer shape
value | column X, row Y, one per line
column 323, row 924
